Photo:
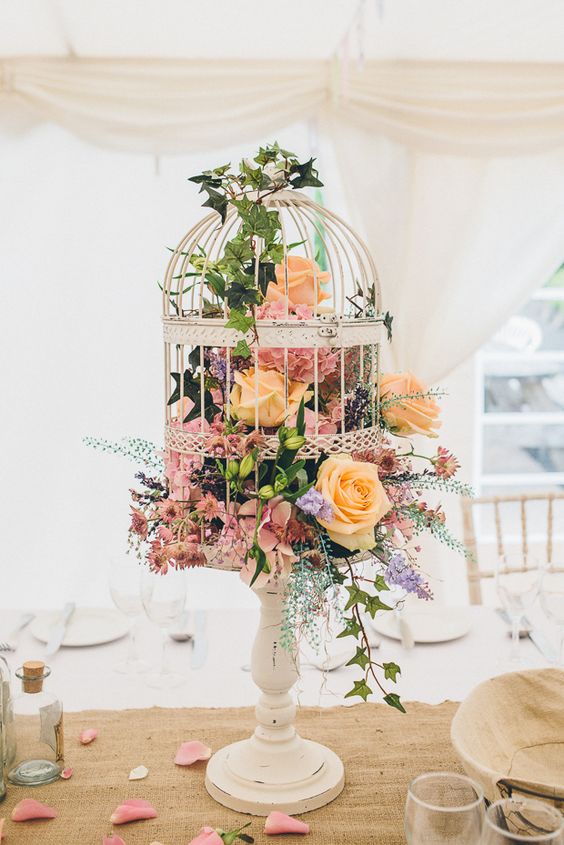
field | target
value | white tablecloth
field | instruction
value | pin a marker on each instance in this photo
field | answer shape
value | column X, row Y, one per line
column 84, row 678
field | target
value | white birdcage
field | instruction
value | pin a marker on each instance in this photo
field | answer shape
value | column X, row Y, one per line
column 344, row 324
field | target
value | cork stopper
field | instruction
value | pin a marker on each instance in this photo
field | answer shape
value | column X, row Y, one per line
column 32, row 674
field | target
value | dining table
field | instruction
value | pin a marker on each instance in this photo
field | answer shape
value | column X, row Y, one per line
column 84, row 678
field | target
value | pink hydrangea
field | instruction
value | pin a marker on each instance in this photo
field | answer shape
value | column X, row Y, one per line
column 301, row 362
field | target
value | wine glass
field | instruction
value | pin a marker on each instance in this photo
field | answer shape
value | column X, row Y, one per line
column 552, row 601
column 124, row 580
column 515, row 820
column 443, row 807
column 164, row 597
column 517, row 584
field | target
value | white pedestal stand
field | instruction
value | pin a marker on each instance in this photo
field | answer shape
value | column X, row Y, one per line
column 275, row 769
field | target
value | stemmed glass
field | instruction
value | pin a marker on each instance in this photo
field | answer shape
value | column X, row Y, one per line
column 517, row 588
column 124, row 579
column 164, row 597
column 516, row 820
column 552, row 601
column 443, row 807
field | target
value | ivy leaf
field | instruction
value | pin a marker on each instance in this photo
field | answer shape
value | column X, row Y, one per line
column 374, row 604
column 391, row 671
column 242, row 349
column 351, row 629
column 360, row 658
column 393, row 699
column 388, row 320
column 304, row 175
column 361, row 689
column 356, row 596
column 217, row 202
column 239, row 320
column 240, row 294
column 380, row 583
column 238, row 250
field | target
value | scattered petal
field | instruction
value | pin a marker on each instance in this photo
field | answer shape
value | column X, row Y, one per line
column 138, row 773
column 207, row 836
column 88, row 736
column 281, row 823
column 28, row 809
column 190, row 752
column 1, row 827
column 113, row 840
column 67, row 773
column 132, row 811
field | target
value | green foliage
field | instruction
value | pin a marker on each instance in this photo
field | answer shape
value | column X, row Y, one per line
column 391, row 671
column 393, row 699
column 361, row 689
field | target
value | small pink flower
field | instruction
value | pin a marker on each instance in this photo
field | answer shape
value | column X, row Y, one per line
column 66, row 774
column 168, row 510
column 165, row 534
column 139, row 524
column 190, row 752
column 208, row 507
column 132, row 811
column 113, row 840
column 87, row 736
column 28, row 809
column 281, row 823
column 445, row 463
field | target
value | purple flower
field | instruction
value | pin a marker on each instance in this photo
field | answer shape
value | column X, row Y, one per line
column 401, row 574
column 314, row 504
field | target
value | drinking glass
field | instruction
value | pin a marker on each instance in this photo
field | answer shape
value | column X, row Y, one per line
column 124, row 580
column 552, row 601
column 517, row 820
column 164, row 597
column 517, row 584
column 443, row 807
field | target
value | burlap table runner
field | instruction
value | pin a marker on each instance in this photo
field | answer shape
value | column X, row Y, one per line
column 381, row 749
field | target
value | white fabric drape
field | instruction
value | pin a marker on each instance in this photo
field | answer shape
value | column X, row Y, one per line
column 168, row 106
column 453, row 171
column 459, row 242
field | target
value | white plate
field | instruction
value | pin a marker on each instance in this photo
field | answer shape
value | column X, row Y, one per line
column 429, row 624
column 87, row 626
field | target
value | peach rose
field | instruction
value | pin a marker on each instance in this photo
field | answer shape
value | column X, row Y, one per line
column 409, row 416
column 302, row 276
column 268, row 390
column 357, row 498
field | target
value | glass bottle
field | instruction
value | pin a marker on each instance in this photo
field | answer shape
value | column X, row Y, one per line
column 7, row 714
column 38, row 718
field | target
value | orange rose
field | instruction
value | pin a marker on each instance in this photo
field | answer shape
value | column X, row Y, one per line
column 357, row 498
column 267, row 390
column 409, row 416
column 302, row 276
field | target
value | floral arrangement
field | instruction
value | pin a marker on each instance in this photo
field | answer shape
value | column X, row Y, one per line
column 308, row 521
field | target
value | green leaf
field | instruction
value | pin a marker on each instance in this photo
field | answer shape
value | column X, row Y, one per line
column 393, row 699
column 304, row 175
column 300, row 418
column 351, row 629
column 388, row 320
column 361, row 689
column 380, row 583
column 240, row 294
column 356, row 596
column 291, row 497
column 217, row 202
column 374, row 604
column 239, row 320
column 360, row 658
column 391, row 671
column 242, row 349
column 260, row 558
column 238, row 250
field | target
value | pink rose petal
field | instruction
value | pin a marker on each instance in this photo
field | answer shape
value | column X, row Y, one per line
column 207, row 836
column 281, row 823
column 88, row 736
column 1, row 827
column 67, row 773
column 112, row 840
column 28, row 809
column 190, row 752
column 133, row 810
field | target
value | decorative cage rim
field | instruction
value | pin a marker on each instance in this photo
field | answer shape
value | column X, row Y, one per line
column 340, row 563
column 336, row 231
column 194, row 442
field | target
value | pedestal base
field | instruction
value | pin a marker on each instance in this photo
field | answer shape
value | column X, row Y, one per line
column 244, row 778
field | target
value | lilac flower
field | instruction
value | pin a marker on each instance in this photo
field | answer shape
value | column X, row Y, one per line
column 401, row 574
column 315, row 505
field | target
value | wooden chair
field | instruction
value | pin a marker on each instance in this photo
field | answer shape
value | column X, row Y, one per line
column 474, row 572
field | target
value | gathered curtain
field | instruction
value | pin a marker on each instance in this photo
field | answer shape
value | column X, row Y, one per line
column 454, row 171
